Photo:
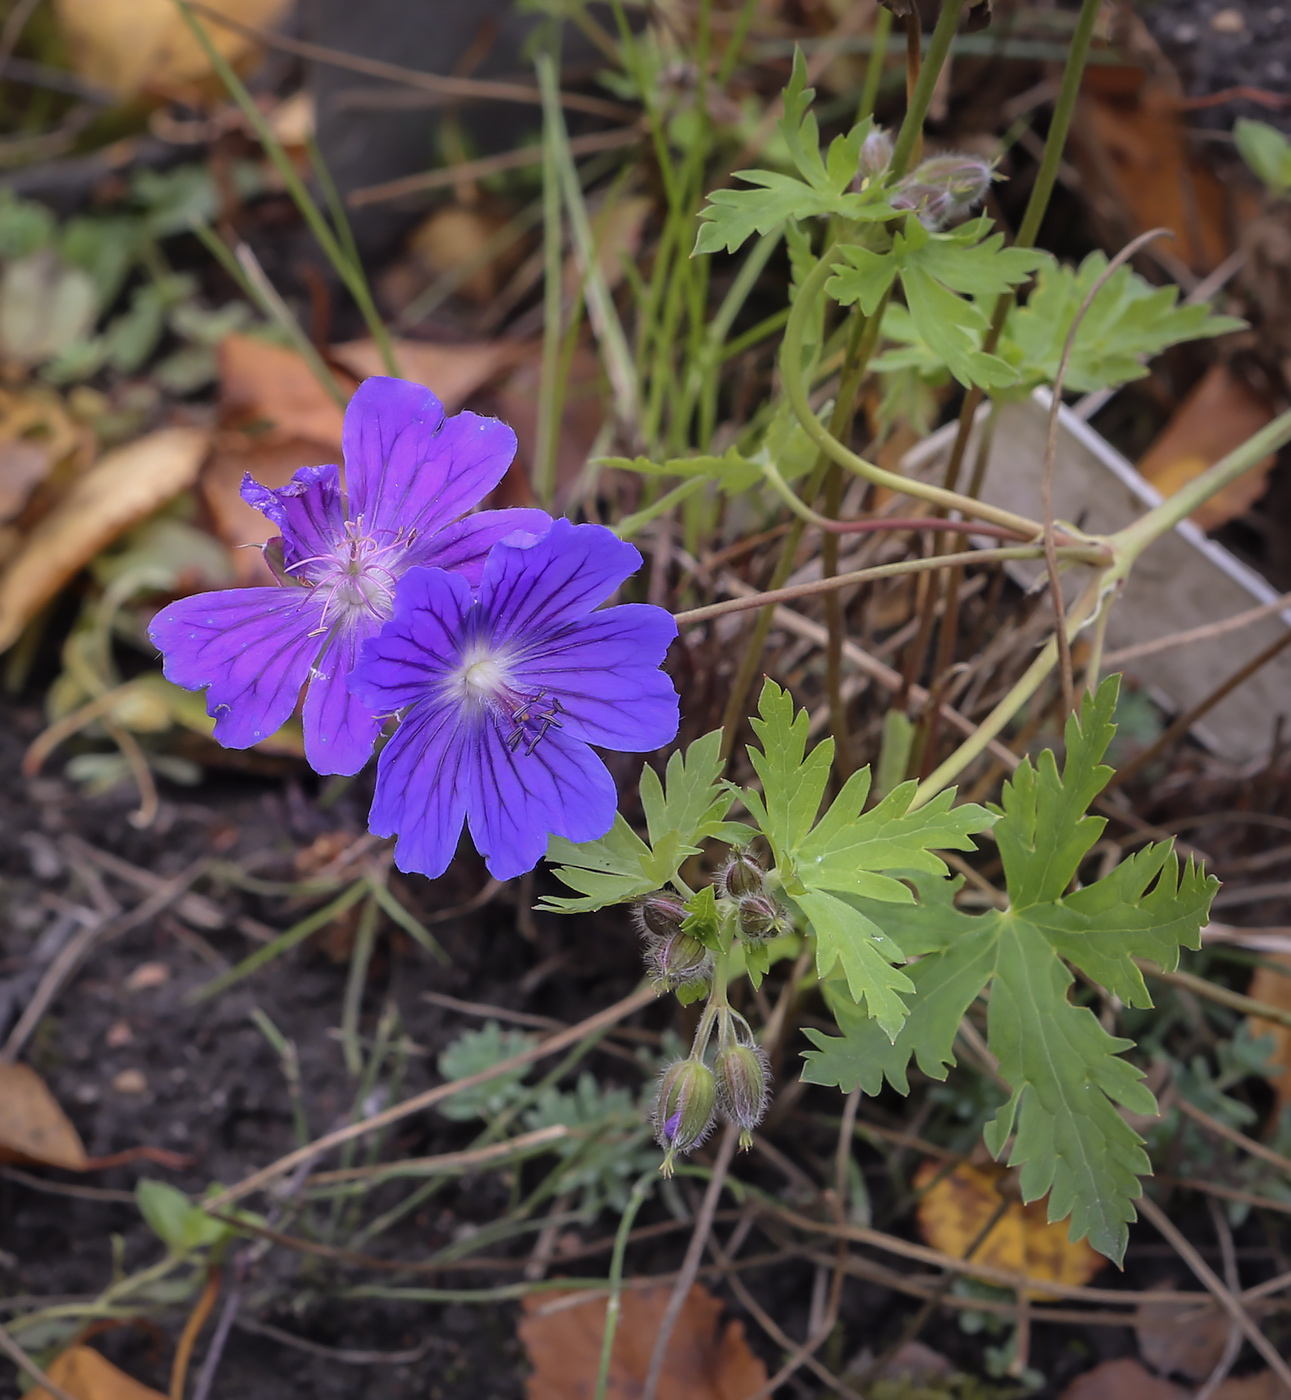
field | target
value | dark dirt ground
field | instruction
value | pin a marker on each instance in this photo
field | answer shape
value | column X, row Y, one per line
column 213, row 1090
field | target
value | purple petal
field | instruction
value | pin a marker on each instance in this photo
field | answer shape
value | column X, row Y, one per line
column 339, row 729
column 530, row 589
column 418, row 646
column 308, row 511
column 517, row 800
column 604, row 671
column 465, row 546
column 421, row 791
column 252, row 649
column 408, row 467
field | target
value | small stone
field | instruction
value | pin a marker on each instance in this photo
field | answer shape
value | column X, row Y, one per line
column 119, row 1034
column 1230, row 21
column 86, row 1093
column 1185, row 33
column 130, row 1081
column 147, row 975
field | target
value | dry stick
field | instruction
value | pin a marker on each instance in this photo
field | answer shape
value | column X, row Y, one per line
column 1205, row 633
column 1233, row 1343
column 1212, row 991
column 451, row 88
column 488, row 165
column 1051, row 453
column 192, row 1329
column 63, row 966
column 1190, row 717
column 1211, row 1281
column 19, row 1357
column 1213, row 1125
column 643, row 996
column 690, row 1264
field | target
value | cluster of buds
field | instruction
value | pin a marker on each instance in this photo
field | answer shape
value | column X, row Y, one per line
column 758, row 916
column 691, row 1094
column 943, row 189
column 675, row 959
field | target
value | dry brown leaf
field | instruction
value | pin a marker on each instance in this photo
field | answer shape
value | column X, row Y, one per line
column 121, row 489
column 1273, row 987
column 449, row 239
column 451, row 372
column 86, row 1374
column 1132, row 150
column 1219, row 415
column 263, row 382
column 564, row 1345
column 136, row 46
column 581, row 419
column 32, row 1126
column 954, row 1210
column 1122, row 1380
column 36, row 433
column 1182, row 1341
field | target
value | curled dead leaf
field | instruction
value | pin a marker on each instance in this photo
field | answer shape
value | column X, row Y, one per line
column 562, row 1336
column 136, row 46
column 86, row 1374
column 954, row 1211
column 33, row 1128
column 121, row 489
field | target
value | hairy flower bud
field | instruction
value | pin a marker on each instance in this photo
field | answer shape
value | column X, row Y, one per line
column 659, row 915
column 680, row 961
column 760, row 919
column 743, row 1074
column 874, row 158
column 942, row 189
column 741, row 875
column 684, row 1108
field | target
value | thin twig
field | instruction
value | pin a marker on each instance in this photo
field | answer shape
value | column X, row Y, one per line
column 1213, row 1125
column 13, row 27
column 1211, row 1281
column 1206, row 633
column 690, row 1265
column 1051, row 453
column 192, row 1328
column 1233, row 1344
column 642, row 997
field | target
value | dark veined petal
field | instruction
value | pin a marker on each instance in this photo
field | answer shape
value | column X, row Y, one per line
column 251, row 648
column 339, row 728
column 517, row 800
column 407, row 467
column 421, row 787
column 529, row 590
column 419, row 645
column 308, row 511
column 465, row 546
column 604, row 670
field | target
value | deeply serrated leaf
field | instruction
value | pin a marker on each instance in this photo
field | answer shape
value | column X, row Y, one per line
column 853, row 941
column 696, row 800
column 793, row 781
column 608, row 871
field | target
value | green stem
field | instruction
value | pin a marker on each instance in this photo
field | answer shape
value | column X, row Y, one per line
column 795, row 387
column 351, row 275
column 1130, row 542
column 874, row 69
column 921, row 98
column 614, row 1304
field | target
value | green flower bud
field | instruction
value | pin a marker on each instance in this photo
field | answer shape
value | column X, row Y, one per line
column 760, row 919
column 741, row 875
column 743, row 1074
column 680, row 961
column 684, row 1108
column 659, row 915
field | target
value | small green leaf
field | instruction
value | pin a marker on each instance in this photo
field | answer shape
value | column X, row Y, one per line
column 793, row 782
column 478, row 1050
column 702, row 922
column 608, row 871
column 1267, row 152
column 847, row 937
column 175, row 1220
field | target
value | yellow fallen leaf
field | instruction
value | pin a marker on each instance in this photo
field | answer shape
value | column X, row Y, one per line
column 135, row 46
column 32, row 1126
column 955, row 1209
column 86, row 1374
column 1272, row 985
column 120, row 490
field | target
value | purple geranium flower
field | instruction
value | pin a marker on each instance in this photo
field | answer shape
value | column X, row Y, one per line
column 410, row 473
column 503, row 692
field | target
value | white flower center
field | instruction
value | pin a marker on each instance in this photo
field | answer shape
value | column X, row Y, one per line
column 483, row 679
